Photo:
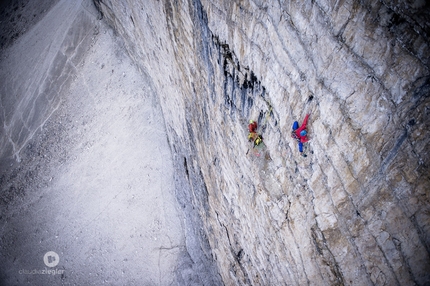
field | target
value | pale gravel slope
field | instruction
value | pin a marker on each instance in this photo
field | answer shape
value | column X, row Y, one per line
column 94, row 181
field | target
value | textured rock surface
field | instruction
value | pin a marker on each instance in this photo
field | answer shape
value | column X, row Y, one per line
column 356, row 210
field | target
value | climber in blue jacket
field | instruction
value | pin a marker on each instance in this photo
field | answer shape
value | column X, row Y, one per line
column 300, row 133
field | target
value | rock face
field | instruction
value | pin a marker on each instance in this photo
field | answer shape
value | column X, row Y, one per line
column 355, row 211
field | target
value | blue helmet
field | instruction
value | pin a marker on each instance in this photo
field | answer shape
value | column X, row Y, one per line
column 295, row 125
column 303, row 133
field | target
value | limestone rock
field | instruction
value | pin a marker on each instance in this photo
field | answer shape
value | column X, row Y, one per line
column 355, row 211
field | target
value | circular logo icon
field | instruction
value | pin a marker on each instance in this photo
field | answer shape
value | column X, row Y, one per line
column 51, row 259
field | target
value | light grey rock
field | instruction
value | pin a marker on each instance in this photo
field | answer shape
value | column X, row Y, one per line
column 355, row 210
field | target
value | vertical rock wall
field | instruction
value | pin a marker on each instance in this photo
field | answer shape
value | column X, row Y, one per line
column 355, row 211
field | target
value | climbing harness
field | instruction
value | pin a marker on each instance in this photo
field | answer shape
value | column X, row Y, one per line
column 252, row 136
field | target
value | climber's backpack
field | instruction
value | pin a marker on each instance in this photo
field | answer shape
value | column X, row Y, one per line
column 258, row 140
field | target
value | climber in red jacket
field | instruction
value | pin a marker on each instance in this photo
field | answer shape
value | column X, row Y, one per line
column 252, row 126
column 300, row 133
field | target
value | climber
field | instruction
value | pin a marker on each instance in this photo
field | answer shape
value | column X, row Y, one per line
column 253, row 136
column 300, row 133
column 252, row 127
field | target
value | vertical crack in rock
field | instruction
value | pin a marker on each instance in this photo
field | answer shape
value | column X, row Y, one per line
column 328, row 258
column 237, row 256
column 393, row 152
